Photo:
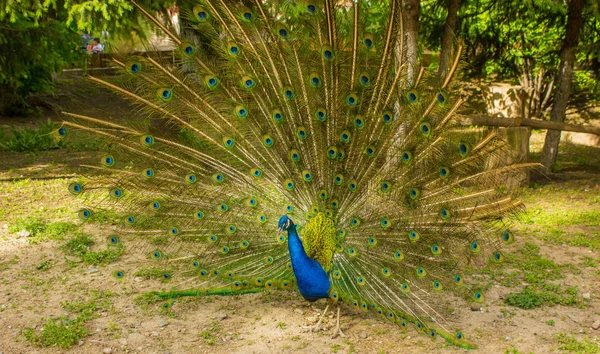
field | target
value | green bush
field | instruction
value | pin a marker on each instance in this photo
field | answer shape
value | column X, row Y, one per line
column 30, row 139
column 30, row 54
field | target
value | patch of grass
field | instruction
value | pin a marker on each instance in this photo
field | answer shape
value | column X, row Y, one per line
column 335, row 348
column 45, row 265
column 550, row 322
column 551, row 218
column 31, row 139
column 579, row 239
column 103, row 257
column 53, row 231
column 351, row 346
column 87, row 309
column 565, row 212
column 548, row 294
column 589, row 262
column 58, row 230
column 114, row 329
column 208, row 337
column 526, row 265
column 571, row 344
column 61, row 332
column 40, row 230
column 513, row 351
column 64, row 332
column 79, row 246
column 34, row 225
column 209, row 334
column 281, row 325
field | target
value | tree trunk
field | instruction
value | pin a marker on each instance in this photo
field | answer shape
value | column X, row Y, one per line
column 449, row 38
column 410, row 19
column 563, row 81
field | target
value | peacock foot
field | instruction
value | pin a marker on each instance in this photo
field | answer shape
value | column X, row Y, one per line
column 338, row 331
column 317, row 327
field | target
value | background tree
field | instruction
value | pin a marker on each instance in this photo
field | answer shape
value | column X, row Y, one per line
column 563, row 82
column 449, row 37
column 410, row 19
column 39, row 38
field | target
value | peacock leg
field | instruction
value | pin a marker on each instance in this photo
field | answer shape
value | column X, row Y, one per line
column 318, row 325
column 337, row 331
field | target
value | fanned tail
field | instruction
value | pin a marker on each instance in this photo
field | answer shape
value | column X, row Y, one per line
column 299, row 109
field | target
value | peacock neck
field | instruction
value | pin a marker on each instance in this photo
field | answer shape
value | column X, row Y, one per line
column 313, row 281
column 295, row 247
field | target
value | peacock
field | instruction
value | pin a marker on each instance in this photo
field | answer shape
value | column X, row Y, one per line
column 292, row 146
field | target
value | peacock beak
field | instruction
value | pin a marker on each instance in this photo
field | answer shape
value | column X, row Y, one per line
column 279, row 231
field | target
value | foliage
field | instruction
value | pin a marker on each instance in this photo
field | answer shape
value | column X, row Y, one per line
column 62, row 332
column 40, row 230
column 35, row 226
column 80, row 246
column 518, row 41
column 571, row 344
column 548, row 294
column 38, row 38
column 29, row 55
column 515, row 40
column 30, row 139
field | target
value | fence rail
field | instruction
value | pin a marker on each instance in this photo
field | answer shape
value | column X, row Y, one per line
column 527, row 122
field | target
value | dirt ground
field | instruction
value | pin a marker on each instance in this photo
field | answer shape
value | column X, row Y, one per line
column 257, row 323
column 38, row 278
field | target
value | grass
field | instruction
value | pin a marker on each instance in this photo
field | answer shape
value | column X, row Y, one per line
column 34, row 225
column 30, row 139
column 80, row 246
column 64, row 332
column 146, row 299
column 526, row 266
column 61, row 332
column 563, row 213
column 209, row 335
column 589, row 262
column 548, row 294
column 40, row 230
column 571, row 344
column 87, row 309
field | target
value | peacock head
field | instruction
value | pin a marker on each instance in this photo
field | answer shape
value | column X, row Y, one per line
column 285, row 224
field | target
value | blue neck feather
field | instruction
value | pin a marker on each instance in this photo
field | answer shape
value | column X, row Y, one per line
column 313, row 281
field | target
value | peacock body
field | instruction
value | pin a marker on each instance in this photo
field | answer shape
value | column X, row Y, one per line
column 297, row 112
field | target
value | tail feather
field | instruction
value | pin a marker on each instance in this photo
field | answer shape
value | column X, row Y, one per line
column 305, row 115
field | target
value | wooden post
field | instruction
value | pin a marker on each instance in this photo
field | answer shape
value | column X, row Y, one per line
column 518, row 140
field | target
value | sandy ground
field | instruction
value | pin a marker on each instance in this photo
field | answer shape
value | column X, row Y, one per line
column 258, row 323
